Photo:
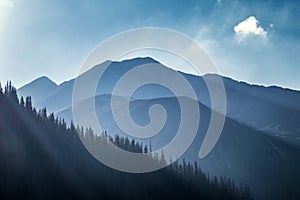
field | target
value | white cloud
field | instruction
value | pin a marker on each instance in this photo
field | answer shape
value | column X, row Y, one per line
column 6, row 3
column 249, row 27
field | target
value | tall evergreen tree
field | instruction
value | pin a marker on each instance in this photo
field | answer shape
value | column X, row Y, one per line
column 28, row 104
column 22, row 103
column 145, row 149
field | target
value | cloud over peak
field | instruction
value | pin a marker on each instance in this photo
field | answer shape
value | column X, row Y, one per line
column 248, row 27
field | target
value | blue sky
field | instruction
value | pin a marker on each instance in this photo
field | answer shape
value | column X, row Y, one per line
column 253, row 41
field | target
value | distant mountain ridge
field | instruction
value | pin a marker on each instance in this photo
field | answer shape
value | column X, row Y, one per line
column 273, row 110
column 46, row 91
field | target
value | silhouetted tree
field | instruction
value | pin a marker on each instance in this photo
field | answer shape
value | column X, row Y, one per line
column 162, row 159
column 11, row 93
column 145, row 149
column 28, row 104
column 22, row 103
column 72, row 127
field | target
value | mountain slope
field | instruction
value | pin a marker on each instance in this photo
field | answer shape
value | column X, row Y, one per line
column 268, row 165
column 42, row 158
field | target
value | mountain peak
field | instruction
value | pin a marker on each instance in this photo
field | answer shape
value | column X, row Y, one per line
column 138, row 60
column 147, row 58
column 39, row 88
column 44, row 80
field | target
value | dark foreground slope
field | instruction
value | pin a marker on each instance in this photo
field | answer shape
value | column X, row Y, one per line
column 40, row 158
column 268, row 165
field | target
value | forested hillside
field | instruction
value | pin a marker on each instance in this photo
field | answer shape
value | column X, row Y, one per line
column 42, row 157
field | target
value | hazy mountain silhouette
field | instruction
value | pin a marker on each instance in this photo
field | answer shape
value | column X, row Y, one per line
column 273, row 110
column 259, row 145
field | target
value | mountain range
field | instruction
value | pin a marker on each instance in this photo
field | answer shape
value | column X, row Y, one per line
column 272, row 110
column 259, row 145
